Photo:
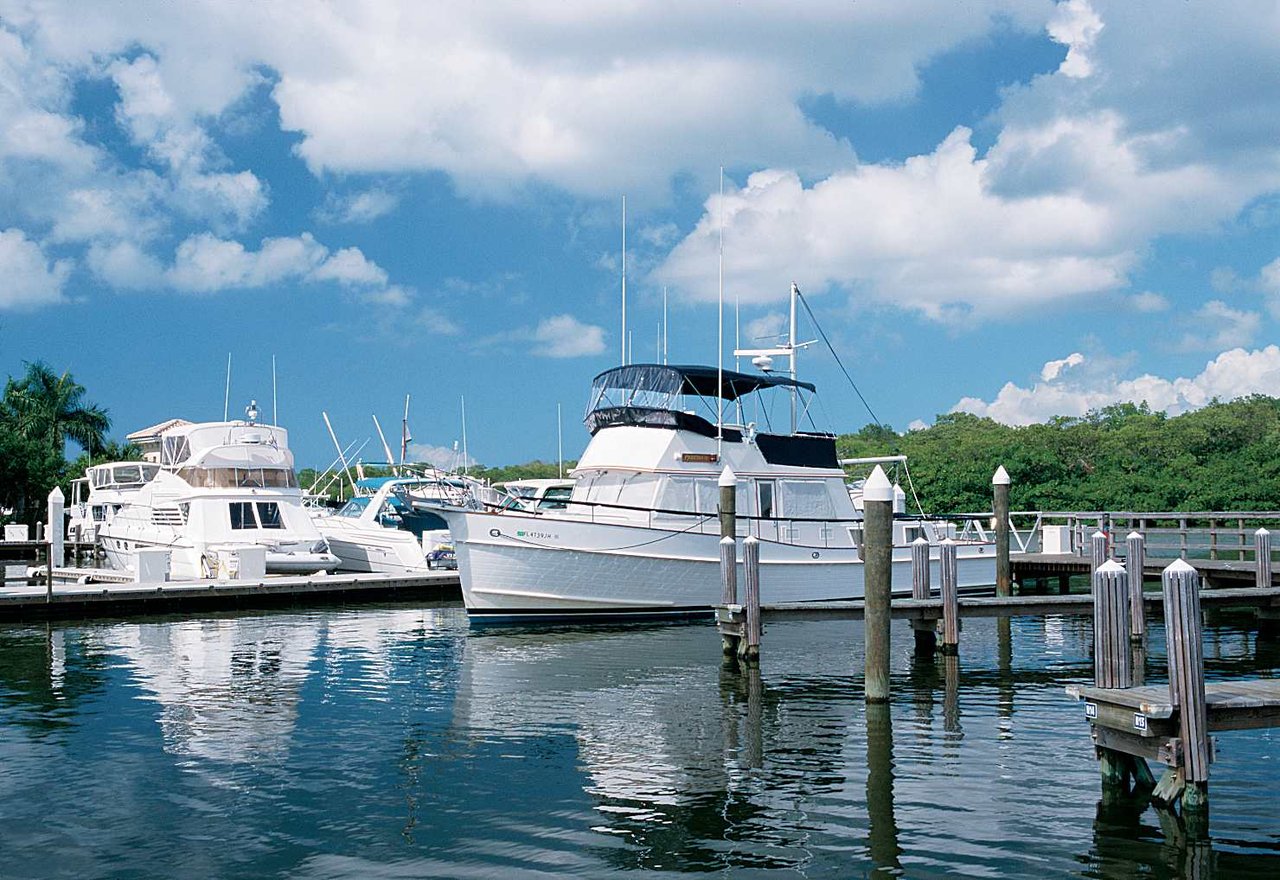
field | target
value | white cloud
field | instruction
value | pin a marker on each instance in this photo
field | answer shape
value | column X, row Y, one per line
column 205, row 263
column 126, row 266
column 765, row 330
column 564, row 336
column 444, row 457
column 1269, row 281
column 1218, row 326
column 360, row 207
column 28, row 279
column 1232, row 374
column 1053, row 369
column 1075, row 25
column 1149, row 301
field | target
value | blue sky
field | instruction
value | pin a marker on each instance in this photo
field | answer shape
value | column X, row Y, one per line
column 1020, row 209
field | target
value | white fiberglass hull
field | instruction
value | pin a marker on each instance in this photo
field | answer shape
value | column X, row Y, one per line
column 188, row 563
column 525, row 566
column 374, row 549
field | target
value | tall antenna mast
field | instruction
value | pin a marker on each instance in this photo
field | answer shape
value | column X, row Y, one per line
column 383, row 437
column 342, row 456
column 624, row 281
column 464, row 434
column 791, row 344
column 226, row 397
column 404, row 431
column 664, row 324
column 275, row 413
column 720, row 330
column 560, row 441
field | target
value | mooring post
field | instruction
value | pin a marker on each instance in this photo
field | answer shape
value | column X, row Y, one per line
column 1181, row 585
column 950, row 596
column 1135, row 561
column 728, row 483
column 1098, row 550
column 1112, row 666
column 877, row 512
column 1004, row 571
column 1262, row 558
column 57, row 536
column 749, row 647
column 925, row 630
column 1113, row 660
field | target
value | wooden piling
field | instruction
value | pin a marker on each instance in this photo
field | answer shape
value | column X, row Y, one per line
column 950, row 597
column 1004, row 571
column 1135, row 561
column 1097, row 550
column 1181, row 584
column 1112, row 660
column 925, row 632
column 728, row 483
column 749, row 647
column 1262, row 558
column 877, row 550
column 729, row 583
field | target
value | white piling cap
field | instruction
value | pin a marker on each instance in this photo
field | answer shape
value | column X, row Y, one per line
column 1132, row 535
column 728, row 539
column 56, row 495
column 1262, row 532
column 1098, row 534
column 921, row 540
column 727, row 477
column 1001, row 477
column 877, row 487
column 1179, row 566
column 1111, row 567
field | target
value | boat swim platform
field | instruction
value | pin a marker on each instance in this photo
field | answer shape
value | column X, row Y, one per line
column 68, row 600
column 1214, row 571
column 1021, row 605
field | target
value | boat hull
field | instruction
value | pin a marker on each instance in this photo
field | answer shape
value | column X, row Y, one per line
column 515, row 567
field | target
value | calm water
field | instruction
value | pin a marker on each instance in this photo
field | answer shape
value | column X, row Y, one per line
column 396, row 742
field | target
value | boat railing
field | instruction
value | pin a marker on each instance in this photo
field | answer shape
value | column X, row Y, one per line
column 771, row 529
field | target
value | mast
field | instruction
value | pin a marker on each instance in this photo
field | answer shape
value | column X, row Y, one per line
column 404, row 431
column 464, row 435
column 226, row 397
column 664, row 324
column 624, row 281
column 560, row 441
column 791, row 344
column 383, row 437
column 720, row 331
column 275, row 413
column 342, row 456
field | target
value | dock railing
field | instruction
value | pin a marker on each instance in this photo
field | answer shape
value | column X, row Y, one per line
column 1212, row 535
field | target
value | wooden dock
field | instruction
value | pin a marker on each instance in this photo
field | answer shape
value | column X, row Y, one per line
column 1039, row 566
column 105, row 599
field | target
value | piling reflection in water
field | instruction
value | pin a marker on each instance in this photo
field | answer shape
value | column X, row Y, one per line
column 399, row 741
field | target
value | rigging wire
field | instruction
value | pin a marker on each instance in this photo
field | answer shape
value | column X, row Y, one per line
column 875, row 418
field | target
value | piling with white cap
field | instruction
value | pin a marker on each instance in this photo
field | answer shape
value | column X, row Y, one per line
column 877, row 555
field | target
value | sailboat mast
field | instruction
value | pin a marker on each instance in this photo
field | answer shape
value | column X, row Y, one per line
column 720, row 332
column 404, row 431
column 464, row 435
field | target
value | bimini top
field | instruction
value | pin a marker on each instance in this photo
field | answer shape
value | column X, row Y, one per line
column 673, row 381
column 650, row 394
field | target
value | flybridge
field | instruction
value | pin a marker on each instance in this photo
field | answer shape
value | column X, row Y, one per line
column 659, row 395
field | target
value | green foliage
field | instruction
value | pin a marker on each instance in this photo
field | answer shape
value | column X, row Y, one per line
column 530, row 470
column 38, row 414
column 1225, row 456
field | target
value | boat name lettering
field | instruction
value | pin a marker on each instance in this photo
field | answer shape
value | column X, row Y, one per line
column 544, row 535
column 708, row 457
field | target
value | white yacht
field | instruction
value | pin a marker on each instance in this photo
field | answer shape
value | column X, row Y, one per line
column 388, row 528
column 102, row 491
column 217, row 487
column 640, row 534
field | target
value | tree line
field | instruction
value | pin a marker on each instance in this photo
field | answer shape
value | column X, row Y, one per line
column 1224, row 456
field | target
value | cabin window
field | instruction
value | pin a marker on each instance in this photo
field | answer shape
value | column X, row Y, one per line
column 807, row 499
column 637, row 491
column 242, row 515
column 556, row 498
column 131, row 473
column 269, row 515
column 676, row 495
column 764, row 491
column 708, row 496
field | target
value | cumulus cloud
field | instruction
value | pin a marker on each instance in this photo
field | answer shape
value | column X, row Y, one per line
column 28, row 279
column 1234, row 373
column 1149, row 301
column 359, row 207
column 564, row 336
column 1218, row 326
column 1053, row 369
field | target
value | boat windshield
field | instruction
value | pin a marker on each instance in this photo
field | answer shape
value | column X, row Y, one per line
column 234, row 477
column 354, row 507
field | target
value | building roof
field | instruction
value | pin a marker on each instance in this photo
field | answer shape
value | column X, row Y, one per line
column 154, row 432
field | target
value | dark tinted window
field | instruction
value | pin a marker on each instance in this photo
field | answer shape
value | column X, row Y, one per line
column 269, row 515
column 242, row 515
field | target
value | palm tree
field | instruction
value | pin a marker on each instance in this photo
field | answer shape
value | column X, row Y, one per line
column 51, row 409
